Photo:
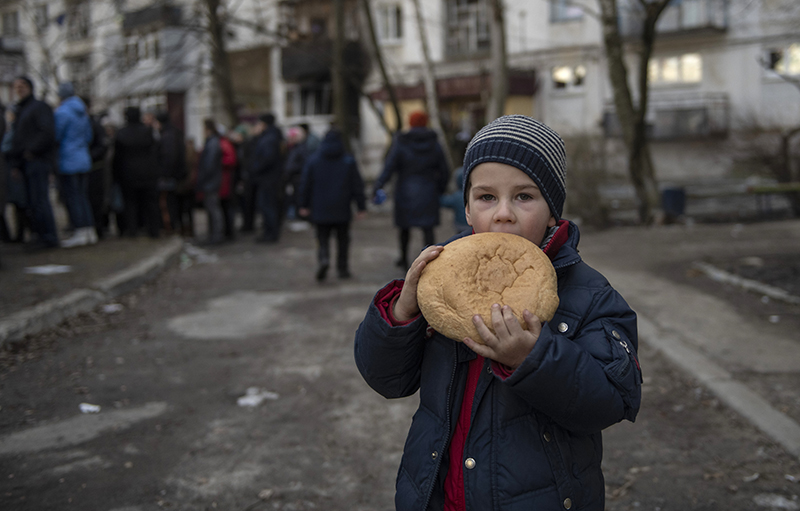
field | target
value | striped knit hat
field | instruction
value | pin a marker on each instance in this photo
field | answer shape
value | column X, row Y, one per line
column 527, row 144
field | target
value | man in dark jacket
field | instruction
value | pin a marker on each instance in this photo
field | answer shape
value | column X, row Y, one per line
column 33, row 151
column 136, row 170
column 99, row 176
column 330, row 184
column 264, row 171
column 422, row 174
column 172, row 160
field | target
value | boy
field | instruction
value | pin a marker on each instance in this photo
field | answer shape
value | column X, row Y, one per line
column 513, row 424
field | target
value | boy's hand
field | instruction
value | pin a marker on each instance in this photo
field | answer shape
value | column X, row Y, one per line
column 406, row 306
column 510, row 344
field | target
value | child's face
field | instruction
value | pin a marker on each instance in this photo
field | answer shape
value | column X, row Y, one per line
column 502, row 198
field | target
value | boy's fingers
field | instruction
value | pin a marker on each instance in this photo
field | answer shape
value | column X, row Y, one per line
column 498, row 320
column 483, row 330
column 478, row 348
column 533, row 321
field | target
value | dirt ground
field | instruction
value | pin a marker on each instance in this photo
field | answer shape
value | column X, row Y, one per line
column 183, row 350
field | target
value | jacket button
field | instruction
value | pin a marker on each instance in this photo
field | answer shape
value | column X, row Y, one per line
column 547, row 437
column 568, row 503
column 469, row 463
column 615, row 334
column 489, row 369
column 434, row 455
column 563, row 327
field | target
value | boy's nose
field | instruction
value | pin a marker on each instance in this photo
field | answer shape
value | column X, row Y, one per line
column 504, row 212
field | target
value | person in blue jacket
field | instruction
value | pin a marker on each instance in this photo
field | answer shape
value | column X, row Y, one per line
column 74, row 135
column 422, row 174
column 514, row 423
column 329, row 185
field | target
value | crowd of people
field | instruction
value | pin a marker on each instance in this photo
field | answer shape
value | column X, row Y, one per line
column 144, row 177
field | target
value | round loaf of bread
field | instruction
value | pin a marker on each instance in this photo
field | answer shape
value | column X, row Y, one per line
column 475, row 272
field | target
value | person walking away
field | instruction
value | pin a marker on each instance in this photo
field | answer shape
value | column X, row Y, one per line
column 330, row 184
column 227, row 196
column 422, row 174
column 209, row 179
column 293, row 171
column 5, row 234
column 265, row 173
column 74, row 136
column 172, row 162
column 136, row 169
column 33, row 151
column 525, row 408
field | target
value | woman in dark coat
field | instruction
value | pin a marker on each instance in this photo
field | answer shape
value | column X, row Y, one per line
column 422, row 174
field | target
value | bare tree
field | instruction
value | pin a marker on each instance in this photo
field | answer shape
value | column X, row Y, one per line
column 632, row 117
column 431, row 95
column 337, row 72
column 379, row 59
column 497, row 100
column 221, row 71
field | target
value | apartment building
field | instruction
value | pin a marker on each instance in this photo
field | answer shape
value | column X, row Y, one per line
column 715, row 72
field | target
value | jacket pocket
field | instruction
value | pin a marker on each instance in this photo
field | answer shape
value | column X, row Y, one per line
column 624, row 370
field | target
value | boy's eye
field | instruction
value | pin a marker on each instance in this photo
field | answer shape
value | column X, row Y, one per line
column 486, row 197
column 525, row 196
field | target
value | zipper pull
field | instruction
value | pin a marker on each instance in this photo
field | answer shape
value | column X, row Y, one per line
column 625, row 345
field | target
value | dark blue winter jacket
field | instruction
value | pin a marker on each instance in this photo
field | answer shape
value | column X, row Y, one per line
column 265, row 161
column 74, row 136
column 331, row 182
column 535, row 437
column 419, row 162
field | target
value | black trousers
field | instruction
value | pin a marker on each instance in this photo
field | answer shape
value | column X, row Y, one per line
column 342, row 245
column 141, row 207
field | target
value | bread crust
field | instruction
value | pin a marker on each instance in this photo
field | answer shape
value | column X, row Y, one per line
column 475, row 272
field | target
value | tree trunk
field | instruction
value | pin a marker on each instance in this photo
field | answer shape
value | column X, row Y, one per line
column 221, row 66
column 430, row 87
column 788, row 175
column 379, row 58
column 497, row 101
column 339, row 89
column 632, row 120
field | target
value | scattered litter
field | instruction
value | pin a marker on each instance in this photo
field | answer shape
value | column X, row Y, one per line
column 112, row 308
column 754, row 261
column 48, row 269
column 775, row 501
column 266, row 494
column 774, row 319
column 765, row 299
column 791, row 478
column 88, row 408
column 750, row 479
column 255, row 396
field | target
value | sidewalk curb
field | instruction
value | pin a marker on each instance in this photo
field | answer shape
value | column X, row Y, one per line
column 52, row 312
column 758, row 411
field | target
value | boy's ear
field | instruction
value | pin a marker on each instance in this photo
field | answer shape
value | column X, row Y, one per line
column 466, row 212
column 552, row 222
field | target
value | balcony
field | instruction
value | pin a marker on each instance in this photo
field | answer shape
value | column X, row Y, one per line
column 682, row 17
column 680, row 117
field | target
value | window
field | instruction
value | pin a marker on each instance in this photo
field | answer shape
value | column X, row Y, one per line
column 784, row 61
column 467, row 27
column 565, row 10
column 309, row 99
column 687, row 68
column 11, row 24
column 78, row 20
column 568, row 77
column 390, row 23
